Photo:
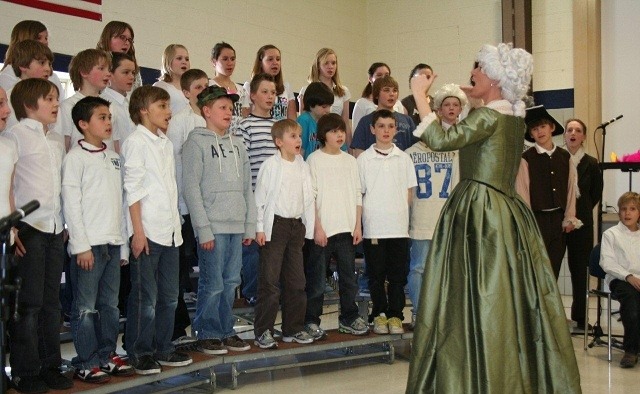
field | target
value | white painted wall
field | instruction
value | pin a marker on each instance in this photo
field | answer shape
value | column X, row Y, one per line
column 298, row 27
column 620, row 87
column 444, row 34
column 552, row 42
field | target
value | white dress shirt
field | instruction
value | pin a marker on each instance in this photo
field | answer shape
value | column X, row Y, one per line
column 150, row 177
column 38, row 173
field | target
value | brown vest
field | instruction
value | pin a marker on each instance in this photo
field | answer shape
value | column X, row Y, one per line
column 548, row 178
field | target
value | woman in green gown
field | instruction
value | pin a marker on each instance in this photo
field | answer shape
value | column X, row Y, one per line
column 490, row 318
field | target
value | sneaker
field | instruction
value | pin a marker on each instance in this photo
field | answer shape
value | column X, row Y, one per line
column 266, row 341
column 357, row 327
column 55, row 380
column 395, row 326
column 251, row 301
column 94, row 375
column 234, row 343
column 211, row 346
column 412, row 325
column 315, row 331
column 299, row 337
column 146, row 365
column 629, row 360
column 185, row 343
column 380, row 324
column 117, row 366
column 29, row 384
column 174, row 359
column 66, row 320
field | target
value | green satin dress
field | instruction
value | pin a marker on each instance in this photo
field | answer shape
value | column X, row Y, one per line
column 490, row 318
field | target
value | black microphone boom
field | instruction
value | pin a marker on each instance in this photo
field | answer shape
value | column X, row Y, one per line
column 605, row 124
column 13, row 218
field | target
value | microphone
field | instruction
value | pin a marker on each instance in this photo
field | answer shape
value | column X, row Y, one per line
column 605, row 124
column 13, row 218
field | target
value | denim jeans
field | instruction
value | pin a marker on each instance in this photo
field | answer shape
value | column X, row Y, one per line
column 219, row 277
column 250, row 264
column 94, row 310
column 152, row 301
column 35, row 335
column 387, row 260
column 418, row 258
column 315, row 269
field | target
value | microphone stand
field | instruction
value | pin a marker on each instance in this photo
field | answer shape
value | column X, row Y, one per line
column 9, row 285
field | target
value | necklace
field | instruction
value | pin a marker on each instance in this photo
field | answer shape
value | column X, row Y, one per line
column 104, row 146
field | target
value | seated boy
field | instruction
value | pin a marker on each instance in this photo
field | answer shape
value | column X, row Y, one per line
column 316, row 101
column 620, row 259
column 386, row 177
column 385, row 95
column 154, row 228
column 92, row 195
column 547, row 181
column 35, row 337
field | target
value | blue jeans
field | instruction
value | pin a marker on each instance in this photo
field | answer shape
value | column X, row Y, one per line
column 152, row 301
column 35, row 336
column 219, row 277
column 315, row 270
column 418, row 257
column 94, row 310
column 250, row 265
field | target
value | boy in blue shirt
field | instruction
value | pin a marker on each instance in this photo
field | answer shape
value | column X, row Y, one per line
column 316, row 101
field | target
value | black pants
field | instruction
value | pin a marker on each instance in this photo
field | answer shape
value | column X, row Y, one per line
column 387, row 260
column 555, row 241
column 35, row 335
column 579, row 245
column 629, row 299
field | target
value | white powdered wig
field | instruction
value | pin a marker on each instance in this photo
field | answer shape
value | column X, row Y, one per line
column 512, row 68
column 450, row 90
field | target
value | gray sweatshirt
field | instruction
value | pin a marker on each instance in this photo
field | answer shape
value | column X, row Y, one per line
column 216, row 178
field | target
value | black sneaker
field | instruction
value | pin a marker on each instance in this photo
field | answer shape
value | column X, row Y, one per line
column 29, row 384
column 145, row 365
column 174, row 359
column 236, row 344
column 211, row 346
column 55, row 380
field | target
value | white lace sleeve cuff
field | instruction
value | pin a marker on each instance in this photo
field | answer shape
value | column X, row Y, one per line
column 426, row 121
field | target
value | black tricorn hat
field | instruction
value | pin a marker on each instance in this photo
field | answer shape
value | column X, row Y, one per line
column 537, row 113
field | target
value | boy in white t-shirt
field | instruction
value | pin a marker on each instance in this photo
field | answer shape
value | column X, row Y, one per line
column 338, row 227
column 92, row 206
column 387, row 177
column 437, row 174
